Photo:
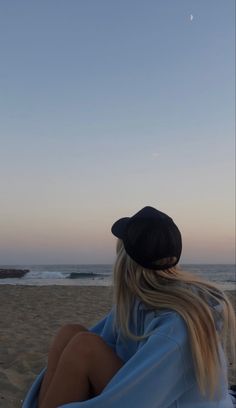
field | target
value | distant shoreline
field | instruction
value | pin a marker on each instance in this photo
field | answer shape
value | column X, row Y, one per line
column 101, row 275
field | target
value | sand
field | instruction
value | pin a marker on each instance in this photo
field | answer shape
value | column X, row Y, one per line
column 30, row 316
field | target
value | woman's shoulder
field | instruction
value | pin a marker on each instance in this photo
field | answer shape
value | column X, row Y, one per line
column 166, row 323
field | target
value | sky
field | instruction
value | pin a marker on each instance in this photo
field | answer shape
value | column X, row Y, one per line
column 106, row 107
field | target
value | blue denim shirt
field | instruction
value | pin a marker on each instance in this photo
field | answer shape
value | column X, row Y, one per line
column 158, row 371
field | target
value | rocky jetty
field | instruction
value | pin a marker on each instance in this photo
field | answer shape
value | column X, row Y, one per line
column 12, row 273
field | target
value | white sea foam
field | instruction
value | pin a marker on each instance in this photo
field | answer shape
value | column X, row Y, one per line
column 46, row 275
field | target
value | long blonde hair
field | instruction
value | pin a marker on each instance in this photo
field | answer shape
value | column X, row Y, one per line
column 187, row 295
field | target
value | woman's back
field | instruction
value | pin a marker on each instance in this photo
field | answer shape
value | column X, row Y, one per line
column 159, row 370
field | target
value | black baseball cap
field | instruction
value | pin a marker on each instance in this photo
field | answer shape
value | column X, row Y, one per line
column 149, row 236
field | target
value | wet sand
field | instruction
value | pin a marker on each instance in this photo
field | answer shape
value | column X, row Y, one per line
column 30, row 316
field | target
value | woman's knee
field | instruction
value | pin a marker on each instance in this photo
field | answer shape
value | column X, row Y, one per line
column 65, row 334
column 70, row 330
column 82, row 345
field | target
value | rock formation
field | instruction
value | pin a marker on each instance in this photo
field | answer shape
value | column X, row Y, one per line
column 12, row 273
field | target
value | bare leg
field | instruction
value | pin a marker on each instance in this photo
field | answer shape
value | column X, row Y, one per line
column 63, row 337
column 86, row 362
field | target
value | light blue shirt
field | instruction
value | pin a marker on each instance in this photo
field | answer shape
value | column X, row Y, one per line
column 158, row 371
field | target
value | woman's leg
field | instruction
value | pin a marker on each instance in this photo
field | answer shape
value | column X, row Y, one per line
column 63, row 337
column 87, row 363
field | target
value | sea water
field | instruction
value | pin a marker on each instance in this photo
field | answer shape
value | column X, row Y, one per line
column 101, row 275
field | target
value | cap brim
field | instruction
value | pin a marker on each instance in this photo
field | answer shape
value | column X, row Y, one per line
column 119, row 227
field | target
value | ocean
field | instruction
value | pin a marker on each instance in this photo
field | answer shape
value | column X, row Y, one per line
column 101, row 275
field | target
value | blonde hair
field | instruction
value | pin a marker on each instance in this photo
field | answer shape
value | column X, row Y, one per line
column 187, row 295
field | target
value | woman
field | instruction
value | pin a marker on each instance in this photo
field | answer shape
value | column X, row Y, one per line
column 162, row 345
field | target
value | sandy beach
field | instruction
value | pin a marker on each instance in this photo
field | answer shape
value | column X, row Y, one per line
column 30, row 316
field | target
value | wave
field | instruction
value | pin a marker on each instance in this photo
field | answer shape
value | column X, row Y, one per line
column 46, row 275
column 63, row 275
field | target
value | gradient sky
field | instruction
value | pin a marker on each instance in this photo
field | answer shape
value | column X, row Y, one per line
column 107, row 106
